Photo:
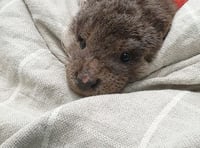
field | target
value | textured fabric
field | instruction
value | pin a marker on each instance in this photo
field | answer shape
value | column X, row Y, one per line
column 37, row 109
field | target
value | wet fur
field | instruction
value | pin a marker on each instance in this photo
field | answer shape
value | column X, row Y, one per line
column 111, row 27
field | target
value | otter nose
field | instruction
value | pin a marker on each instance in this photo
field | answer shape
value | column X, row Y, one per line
column 85, row 81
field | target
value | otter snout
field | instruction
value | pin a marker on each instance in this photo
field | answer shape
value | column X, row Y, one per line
column 85, row 81
column 87, row 78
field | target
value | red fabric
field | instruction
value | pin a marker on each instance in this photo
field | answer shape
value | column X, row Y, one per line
column 180, row 3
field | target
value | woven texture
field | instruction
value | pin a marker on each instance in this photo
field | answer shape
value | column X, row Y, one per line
column 37, row 109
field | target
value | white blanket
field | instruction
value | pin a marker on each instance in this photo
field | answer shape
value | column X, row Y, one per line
column 37, row 109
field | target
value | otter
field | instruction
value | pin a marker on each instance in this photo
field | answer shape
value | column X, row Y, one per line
column 112, row 41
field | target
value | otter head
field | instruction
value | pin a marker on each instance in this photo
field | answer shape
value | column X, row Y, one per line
column 111, row 41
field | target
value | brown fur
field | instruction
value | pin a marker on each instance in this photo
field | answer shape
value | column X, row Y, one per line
column 110, row 28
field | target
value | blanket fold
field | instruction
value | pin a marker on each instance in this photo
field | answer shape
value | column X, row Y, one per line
column 37, row 108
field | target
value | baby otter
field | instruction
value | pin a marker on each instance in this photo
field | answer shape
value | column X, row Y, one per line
column 112, row 40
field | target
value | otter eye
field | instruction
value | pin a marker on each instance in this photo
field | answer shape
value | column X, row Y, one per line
column 126, row 57
column 81, row 42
